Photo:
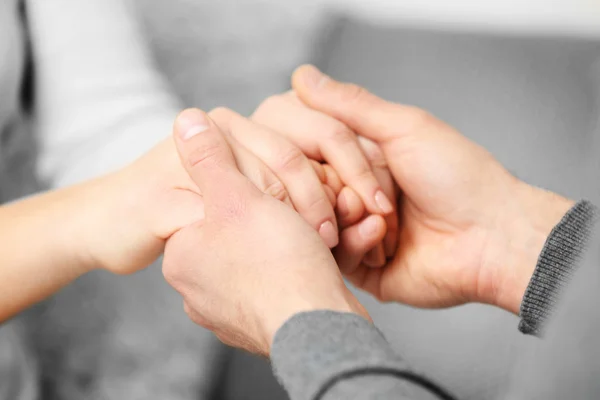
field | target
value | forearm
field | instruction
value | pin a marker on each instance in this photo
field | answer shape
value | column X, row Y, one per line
column 331, row 355
column 44, row 243
column 100, row 101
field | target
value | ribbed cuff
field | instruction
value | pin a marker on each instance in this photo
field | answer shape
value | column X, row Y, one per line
column 556, row 265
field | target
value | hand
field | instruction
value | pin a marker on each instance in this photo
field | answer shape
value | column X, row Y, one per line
column 469, row 230
column 252, row 262
column 154, row 197
column 314, row 199
column 370, row 187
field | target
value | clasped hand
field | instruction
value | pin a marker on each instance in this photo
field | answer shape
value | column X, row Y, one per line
column 425, row 216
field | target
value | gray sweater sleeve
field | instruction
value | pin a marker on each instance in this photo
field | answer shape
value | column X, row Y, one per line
column 329, row 355
column 556, row 265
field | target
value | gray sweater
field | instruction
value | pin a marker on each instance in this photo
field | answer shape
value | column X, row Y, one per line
column 330, row 355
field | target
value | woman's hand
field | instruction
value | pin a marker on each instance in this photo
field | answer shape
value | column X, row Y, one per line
column 358, row 161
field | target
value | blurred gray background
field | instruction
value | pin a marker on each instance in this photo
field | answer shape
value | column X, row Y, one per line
column 519, row 77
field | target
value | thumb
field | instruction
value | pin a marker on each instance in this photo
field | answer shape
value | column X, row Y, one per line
column 206, row 156
column 363, row 112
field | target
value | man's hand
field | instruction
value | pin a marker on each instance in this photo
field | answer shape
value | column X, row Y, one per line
column 469, row 231
column 252, row 262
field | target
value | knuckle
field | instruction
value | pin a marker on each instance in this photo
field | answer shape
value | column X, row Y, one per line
column 363, row 173
column 271, row 101
column 221, row 113
column 277, row 190
column 200, row 319
column 319, row 204
column 417, row 117
column 373, row 153
column 221, row 110
column 291, row 159
column 352, row 93
column 171, row 273
column 192, row 314
column 263, row 109
column 341, row 134
column 205, row 155
column 377, row 159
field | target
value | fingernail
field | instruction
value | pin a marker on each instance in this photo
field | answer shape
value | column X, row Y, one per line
column 313, row 78
column 368, row 228
column 191, row 123
column 383, row 202
column 329, row 234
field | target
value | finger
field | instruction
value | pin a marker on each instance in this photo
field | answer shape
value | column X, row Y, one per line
column 384, row 176
column 330, row 195
column 186, row 207
column 349, row 208
column 206, row 156
column 258, row 173
column 365, row 113
column 390, row 242
column 324, row 138
column 319, row 170
column 357, row 240
column 332, row 179
column 322, row 175
column 291, row 166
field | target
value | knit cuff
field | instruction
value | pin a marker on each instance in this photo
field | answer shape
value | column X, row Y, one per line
column 557, row 263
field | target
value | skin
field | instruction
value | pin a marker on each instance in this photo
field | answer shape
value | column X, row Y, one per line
column 355, row 158
column 468, row 230
column 241, row 294
column 121, row 221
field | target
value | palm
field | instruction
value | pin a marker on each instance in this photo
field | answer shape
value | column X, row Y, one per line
column 440, row 257
column 446, row 210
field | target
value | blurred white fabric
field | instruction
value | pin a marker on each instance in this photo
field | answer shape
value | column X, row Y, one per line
column 573, row 17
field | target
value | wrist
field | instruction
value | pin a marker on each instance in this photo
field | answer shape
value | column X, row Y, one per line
column 95, row 212
column 117, row 240
column 341, row 301
column 71, row 213
column 526, row 225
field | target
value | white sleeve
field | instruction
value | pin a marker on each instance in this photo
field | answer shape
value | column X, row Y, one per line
column 100, row 102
